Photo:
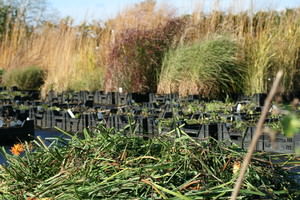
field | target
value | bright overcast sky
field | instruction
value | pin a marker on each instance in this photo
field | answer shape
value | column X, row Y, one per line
column 103, row 9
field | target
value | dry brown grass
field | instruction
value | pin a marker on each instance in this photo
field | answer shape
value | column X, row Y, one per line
column 64, row 52
column 143, row 16
column 150, row 26
column 72, row 61
column 269, row 42
column 274, row 46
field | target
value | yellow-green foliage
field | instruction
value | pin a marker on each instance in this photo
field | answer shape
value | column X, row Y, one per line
column 274, row 47
column 210, row 67
column 27, row 78
column 80, row 57
column 68, row 53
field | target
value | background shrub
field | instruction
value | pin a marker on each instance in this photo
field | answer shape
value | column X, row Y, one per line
column 2, row 71
column 119, row 52
column 135, row 59
column 211, row 67
column 275, row 48
column 28, row 78
column 138, row 38
column 89, row 81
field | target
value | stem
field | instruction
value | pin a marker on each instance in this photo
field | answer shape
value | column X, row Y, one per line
column 257, row 134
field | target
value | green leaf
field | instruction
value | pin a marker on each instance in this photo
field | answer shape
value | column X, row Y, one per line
column 290, row 125
column 298, row 151
column 86, row 134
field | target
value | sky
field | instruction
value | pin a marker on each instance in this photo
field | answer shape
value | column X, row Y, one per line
column 89, row 10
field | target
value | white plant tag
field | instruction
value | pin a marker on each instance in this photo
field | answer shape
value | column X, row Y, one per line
column 71, row 114
column 239, row 107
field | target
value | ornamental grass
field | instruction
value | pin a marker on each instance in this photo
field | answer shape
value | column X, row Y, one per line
column 105, row 164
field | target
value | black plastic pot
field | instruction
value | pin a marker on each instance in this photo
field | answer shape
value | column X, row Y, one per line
column 259, row 98
column 140, row 97
column 7, row 111
column 22, row 114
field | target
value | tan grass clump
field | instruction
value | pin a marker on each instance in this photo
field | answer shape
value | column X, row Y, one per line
column 65, row 52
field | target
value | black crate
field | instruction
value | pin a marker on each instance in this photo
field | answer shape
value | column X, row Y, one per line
column 100, row 97
column 158, row 98
column 73, row 125
column 7, row 111
column 111, row 98
column 247, row 138
column 146, row 126
column 122, row 99
column 209, row 130
column 115, row 121
column 51, row 96
column 14, row 88
column 83, row 96
column 91, row 119
column 89, row 103
column 16, row 134
column 22, row 114
column 223, row 132
column 39, row 119
column 196, row 116
column 50, row 120
column 281, row 144
column 244, row 139
column 167, row 115
column 2, row 88
column 59, row 119
column 111, row 121
column 202, row 130
column 193, row 130
column 32, row 113
column 140, row 97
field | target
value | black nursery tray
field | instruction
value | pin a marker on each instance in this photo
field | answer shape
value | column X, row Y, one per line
column 16, row 134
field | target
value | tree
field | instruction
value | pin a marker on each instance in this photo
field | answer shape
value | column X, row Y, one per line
column 7, row 17
column 29, row 12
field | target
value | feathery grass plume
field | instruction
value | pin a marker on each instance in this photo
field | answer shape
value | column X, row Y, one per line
column 269, row 40
column 274, row 46
column 66, row 52
column 91, row 57
column 140, row 36
column 259, row 60
column 143, row 16
column 288, row 48
column 211, row 67
column 27, row 78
